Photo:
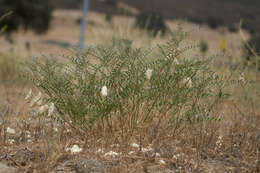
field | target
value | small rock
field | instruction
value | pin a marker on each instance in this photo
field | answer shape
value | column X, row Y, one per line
column 75, row 149
column 10, row 130
column 162, row 162
column 135, row 145
column 111, row 153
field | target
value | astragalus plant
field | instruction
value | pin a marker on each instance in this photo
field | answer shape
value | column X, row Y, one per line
column 123, row 90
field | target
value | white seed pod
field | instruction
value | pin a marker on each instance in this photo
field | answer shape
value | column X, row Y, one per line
column 188, row 81
column 75, row 149
column 162, row 162
column 51, row 109
column 147, row 149
column 11, row 141
column 175, row 61
column 111, row 153
column 149, row 73
column 242, row 78
column 135, row 145
column 131, row 152
column 10, row 130
column 104, row 91
column 43, row 109
column 55, row 129
column 100, row 150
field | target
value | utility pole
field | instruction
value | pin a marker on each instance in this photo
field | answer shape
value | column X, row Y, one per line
column 83, row 24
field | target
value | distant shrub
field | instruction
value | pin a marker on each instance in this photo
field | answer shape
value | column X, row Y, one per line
column 152, row 22
column 203, row 46
column 34, row 15
column 214, row 22
column 68, row 4
column 108, row 17
column 254, row 43
column 123, row 12
column 110, row 2
column 250, row 27
column 195, row 20
column 233, row 28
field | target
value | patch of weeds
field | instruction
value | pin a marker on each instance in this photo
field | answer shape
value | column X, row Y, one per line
column 233, row 28
column 249, row 26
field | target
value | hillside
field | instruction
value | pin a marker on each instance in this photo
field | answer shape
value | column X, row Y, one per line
column 228, row 12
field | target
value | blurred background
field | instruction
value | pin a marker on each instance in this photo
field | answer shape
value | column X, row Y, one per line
column 35, row 27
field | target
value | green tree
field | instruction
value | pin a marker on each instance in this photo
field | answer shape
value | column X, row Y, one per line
column 152, row 22
column 27, row 14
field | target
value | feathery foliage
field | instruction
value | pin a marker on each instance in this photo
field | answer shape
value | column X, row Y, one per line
column 136, row 87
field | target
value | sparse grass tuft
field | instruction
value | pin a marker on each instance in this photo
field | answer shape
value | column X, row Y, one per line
column 10, row 68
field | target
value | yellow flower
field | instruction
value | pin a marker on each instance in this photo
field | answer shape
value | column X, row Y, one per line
column 223, row 45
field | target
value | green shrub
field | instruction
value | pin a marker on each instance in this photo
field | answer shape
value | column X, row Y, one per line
column 152, row 22
column 29, row 14
column 233, row 28
column 195, row 20
column 108, row 17
column 117, row 89
column 250, row 27
column 214, row 22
